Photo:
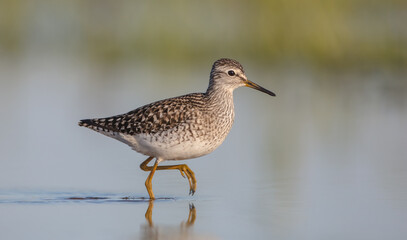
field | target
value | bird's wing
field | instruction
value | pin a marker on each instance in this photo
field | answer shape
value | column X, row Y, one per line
column 151, row 118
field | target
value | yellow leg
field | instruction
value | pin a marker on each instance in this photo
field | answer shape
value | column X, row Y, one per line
column 149, row 178
column 144, row 166
column 183, row 168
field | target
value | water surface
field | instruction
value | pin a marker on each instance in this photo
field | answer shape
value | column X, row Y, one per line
column 325, row 159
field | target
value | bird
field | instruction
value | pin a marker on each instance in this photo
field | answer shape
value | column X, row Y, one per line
column 180, row 128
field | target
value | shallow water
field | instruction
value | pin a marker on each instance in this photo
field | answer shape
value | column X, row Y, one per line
column 325, row 159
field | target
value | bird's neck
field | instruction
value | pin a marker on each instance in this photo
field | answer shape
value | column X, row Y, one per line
column 220, row 99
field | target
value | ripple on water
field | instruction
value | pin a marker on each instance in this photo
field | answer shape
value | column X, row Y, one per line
column 46, row 197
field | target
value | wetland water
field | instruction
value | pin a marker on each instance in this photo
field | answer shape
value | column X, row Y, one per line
column 322, row 160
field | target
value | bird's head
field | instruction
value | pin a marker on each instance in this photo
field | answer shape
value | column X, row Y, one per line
column 229, row 74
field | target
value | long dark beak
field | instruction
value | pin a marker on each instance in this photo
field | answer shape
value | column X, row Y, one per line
column 257, row 87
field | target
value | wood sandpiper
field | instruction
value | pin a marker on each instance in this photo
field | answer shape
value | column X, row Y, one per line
column 182, row 127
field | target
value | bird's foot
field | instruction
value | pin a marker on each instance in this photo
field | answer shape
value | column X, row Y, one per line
column 186, row 172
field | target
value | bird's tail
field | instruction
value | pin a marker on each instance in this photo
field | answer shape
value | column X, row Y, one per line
column 98, row 124
column 91, row 124
column 85, row 123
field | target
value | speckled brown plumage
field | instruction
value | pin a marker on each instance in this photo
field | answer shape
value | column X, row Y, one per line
column 152, row 118
column 192, row 117
column 183, row 127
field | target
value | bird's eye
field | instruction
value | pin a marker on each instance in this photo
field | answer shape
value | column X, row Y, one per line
column 231, row 73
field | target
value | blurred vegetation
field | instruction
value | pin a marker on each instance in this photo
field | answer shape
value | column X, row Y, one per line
column 333, row 33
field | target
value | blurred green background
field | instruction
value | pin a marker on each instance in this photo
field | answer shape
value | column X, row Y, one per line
column 357, row 34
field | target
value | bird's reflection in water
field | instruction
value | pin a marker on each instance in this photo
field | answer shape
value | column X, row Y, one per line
column 156, row 232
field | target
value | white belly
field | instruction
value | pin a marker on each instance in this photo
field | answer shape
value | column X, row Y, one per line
column 173, row 150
